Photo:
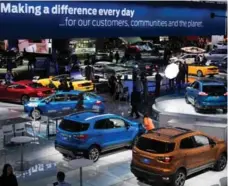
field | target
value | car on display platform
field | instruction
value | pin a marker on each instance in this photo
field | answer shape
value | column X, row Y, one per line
column 202, row 70
column 147, row 67
column 104, row 69
column 221, row 64
column 78, row 84
column 207, row 94
column 101, row 56
column 146, row 47
column 169, row 155
column 90, row 134
column 22, row 91
column 188, row 58
column 217, row 54
column 143, row 46
column 63, row 101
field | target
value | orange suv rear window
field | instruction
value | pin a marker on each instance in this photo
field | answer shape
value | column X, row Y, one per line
column 154, row 146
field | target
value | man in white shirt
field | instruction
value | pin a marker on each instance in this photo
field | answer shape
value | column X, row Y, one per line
column 61, row 180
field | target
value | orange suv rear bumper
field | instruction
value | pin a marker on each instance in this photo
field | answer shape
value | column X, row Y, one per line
column 149, row 175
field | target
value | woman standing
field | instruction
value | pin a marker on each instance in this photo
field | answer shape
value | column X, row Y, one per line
column 8, row 178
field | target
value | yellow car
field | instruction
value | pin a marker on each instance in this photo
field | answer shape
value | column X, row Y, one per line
column 81, row 85
column 202, row 70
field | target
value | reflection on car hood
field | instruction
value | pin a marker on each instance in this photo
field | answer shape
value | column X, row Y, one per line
column 173, row 58
column 117, row 68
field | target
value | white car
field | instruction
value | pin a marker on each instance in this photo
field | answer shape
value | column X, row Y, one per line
column 188, row 58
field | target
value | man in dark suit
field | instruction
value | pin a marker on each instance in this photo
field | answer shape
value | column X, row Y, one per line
column 135, row 102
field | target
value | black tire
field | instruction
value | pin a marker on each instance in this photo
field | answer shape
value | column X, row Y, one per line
column 199, row 73
column 197, row 109
column 186, row 100
column 179, row 178
column 220, row 164
column 24, row 99
column 224, row 111
column 134, row 142
column 36, row 114
column 140, row 179
column 93, row 153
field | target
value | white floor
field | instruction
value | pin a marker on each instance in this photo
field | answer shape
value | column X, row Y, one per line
column 114, row 170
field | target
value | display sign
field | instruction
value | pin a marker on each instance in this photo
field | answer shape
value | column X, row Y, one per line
column 98, row 19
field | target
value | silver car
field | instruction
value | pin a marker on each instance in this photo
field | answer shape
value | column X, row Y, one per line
column 217, row 54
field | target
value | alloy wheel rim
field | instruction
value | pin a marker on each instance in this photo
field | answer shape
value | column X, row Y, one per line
column 94, row 154
column 222, row 162
column 180, row 179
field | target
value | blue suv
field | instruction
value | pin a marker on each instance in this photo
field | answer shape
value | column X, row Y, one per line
column 207, row 94
column 89, row 134
column 63, row 101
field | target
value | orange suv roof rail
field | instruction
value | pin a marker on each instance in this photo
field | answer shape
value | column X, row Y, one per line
column 182, row 130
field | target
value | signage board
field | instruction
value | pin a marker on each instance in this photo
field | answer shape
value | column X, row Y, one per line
column 62, row 19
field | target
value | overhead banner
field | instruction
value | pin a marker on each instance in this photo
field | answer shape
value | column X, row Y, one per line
column 104, row 19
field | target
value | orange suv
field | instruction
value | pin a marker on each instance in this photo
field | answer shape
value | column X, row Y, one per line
column 169, row 155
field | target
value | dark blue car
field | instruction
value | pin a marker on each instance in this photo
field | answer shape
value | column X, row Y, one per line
column 63, row 101
column 207, row 94
column 89, row 134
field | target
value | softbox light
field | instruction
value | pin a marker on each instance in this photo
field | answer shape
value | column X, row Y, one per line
column 172, row 71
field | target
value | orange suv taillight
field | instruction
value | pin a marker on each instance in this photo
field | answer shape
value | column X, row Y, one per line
column 165, row 159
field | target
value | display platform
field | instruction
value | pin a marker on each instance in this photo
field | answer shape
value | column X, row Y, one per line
column 173, row 111
column 177, row 105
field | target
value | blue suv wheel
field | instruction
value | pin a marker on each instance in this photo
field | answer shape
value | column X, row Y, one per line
column 94, row 153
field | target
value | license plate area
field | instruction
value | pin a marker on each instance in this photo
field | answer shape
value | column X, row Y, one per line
column 34, row 99
column 95, row 107
column 65, row 137
column 145, row 160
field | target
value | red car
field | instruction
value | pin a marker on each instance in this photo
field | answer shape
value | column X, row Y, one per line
column 22, row 91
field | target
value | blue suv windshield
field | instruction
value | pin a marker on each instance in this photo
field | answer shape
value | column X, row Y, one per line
column 73, row 126
column 49, row 98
